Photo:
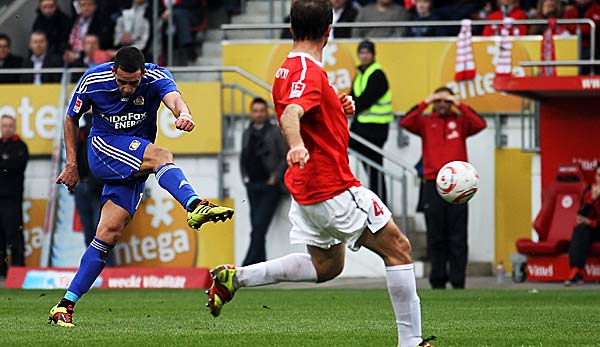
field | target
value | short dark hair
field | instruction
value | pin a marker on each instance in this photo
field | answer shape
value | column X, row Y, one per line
column 129, row 59
column 444, row 89
column 310, row 19
column 259, row 100
column 3, row 36
column 38, row 32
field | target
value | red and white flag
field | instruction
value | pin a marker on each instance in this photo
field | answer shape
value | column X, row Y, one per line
column 504, row 60
column 548, row 52
column 465, row 64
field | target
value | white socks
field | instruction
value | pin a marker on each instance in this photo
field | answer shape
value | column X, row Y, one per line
column 406, row 303
column 295, row 267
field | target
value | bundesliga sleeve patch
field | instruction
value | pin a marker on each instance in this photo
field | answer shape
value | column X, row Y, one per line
column 297, row 89
column 77, row 105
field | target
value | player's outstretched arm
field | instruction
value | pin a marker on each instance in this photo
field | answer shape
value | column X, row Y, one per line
column 69, row 176
column 180, row 110
column 290, row 125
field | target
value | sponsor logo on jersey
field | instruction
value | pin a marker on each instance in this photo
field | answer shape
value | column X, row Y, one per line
column 135, row 144
column 77, row 105
column 124, row 99
column 139, row 101
column 297, row 89
column 125, row 121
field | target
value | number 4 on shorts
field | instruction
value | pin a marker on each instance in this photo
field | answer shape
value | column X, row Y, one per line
column 378, row 209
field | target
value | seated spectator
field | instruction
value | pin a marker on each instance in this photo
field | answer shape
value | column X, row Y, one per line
column 55, row 23
column 133, row 28
column 343, row 12
column 88, row 21
column 382, row 11
column 547, row 9
column 187, row 14
column 422, row 12
column 586, row 231
column 508, row 9
column 8, row 60
column 585, row 9
column 40, row 58
column 91, row 56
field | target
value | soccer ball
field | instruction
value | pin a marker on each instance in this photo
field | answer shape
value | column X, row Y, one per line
column 457, row 182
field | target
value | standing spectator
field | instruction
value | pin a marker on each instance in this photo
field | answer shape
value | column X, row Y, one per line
column 508, row 8
column 443, row 136
column 547, row 9
column 373, row 102
column 187, row 15
column 586, row 231
column 343, row 12
column 420, row 13
column 55, row 23
column 88, row 191
column 585, row 9
column 382, row 11
column 262, row 164
column 88, row 21
column 40, row 58
column 133, row 28
column 13, row 160
column 8, row 60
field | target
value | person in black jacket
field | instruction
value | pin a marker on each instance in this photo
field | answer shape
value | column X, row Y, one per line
column 40, row 58
column 8, row 60
column 262, row 164
column 55, row 23
column 13, row 160
column 343, row 12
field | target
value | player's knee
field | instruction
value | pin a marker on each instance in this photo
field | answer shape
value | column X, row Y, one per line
column 399, row 250
column 163, row 156
column 328, row 271
column 110, row 232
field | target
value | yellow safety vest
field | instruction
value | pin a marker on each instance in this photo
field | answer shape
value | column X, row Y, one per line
column 381, row 111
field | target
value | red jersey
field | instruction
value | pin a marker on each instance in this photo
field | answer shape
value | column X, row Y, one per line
column 515, row 13
column 590, row 208
column 301, row 80
column 592, row 12
column 443, row 138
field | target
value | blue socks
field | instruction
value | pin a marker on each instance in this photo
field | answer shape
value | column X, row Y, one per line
column 92, row 263
column 173, row 180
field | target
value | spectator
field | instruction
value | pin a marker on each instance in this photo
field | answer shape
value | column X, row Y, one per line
column 382, row 11
column 373, row 102
column 547, row 9
column 133, row 28
column 8, row 60
column 586, row 231
column 13, row 160
column 40, row 58
column 343, row 12
column 285, row 32
column 510, row 9
column 88, row 21
column 422, row 12
column 187, row 15
column 262, row 164
column 89, row 189
column 55, row 23
column 443, row 139
column 585, row 9
column 91, row 56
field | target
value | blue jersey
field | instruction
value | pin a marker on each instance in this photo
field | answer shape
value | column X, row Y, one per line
column 114, row 114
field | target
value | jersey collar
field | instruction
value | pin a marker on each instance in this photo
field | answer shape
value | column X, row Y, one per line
column 305, row 55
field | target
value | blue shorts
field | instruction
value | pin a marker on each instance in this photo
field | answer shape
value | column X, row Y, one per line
column 114, row 160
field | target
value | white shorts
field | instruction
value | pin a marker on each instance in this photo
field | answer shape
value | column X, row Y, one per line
column 342, row 218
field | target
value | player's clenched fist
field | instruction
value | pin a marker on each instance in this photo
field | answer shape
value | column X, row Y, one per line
column 69, row 177
column 347, row 104
column 297, row 155
column 185, row 122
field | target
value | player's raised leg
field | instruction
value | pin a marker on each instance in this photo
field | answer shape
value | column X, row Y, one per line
column 172, row 179
column 319, row 265
column 113, row 220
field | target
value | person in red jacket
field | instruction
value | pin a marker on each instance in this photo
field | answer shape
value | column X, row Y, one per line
column 584, row 9
column 508, row 8
column 443, row 136
column 586, row 231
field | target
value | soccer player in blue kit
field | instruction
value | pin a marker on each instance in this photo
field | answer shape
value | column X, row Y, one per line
column 124, row 97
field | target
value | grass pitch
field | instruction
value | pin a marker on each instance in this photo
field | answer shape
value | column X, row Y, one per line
column 317, row 317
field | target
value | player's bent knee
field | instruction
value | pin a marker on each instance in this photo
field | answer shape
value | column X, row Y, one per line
column 163, row 156
column 110, row 233
column 328, row 271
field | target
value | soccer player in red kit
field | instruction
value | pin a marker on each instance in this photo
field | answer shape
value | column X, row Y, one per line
column 330, row 208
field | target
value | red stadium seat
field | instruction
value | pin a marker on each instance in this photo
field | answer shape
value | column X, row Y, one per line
column 555, row 222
